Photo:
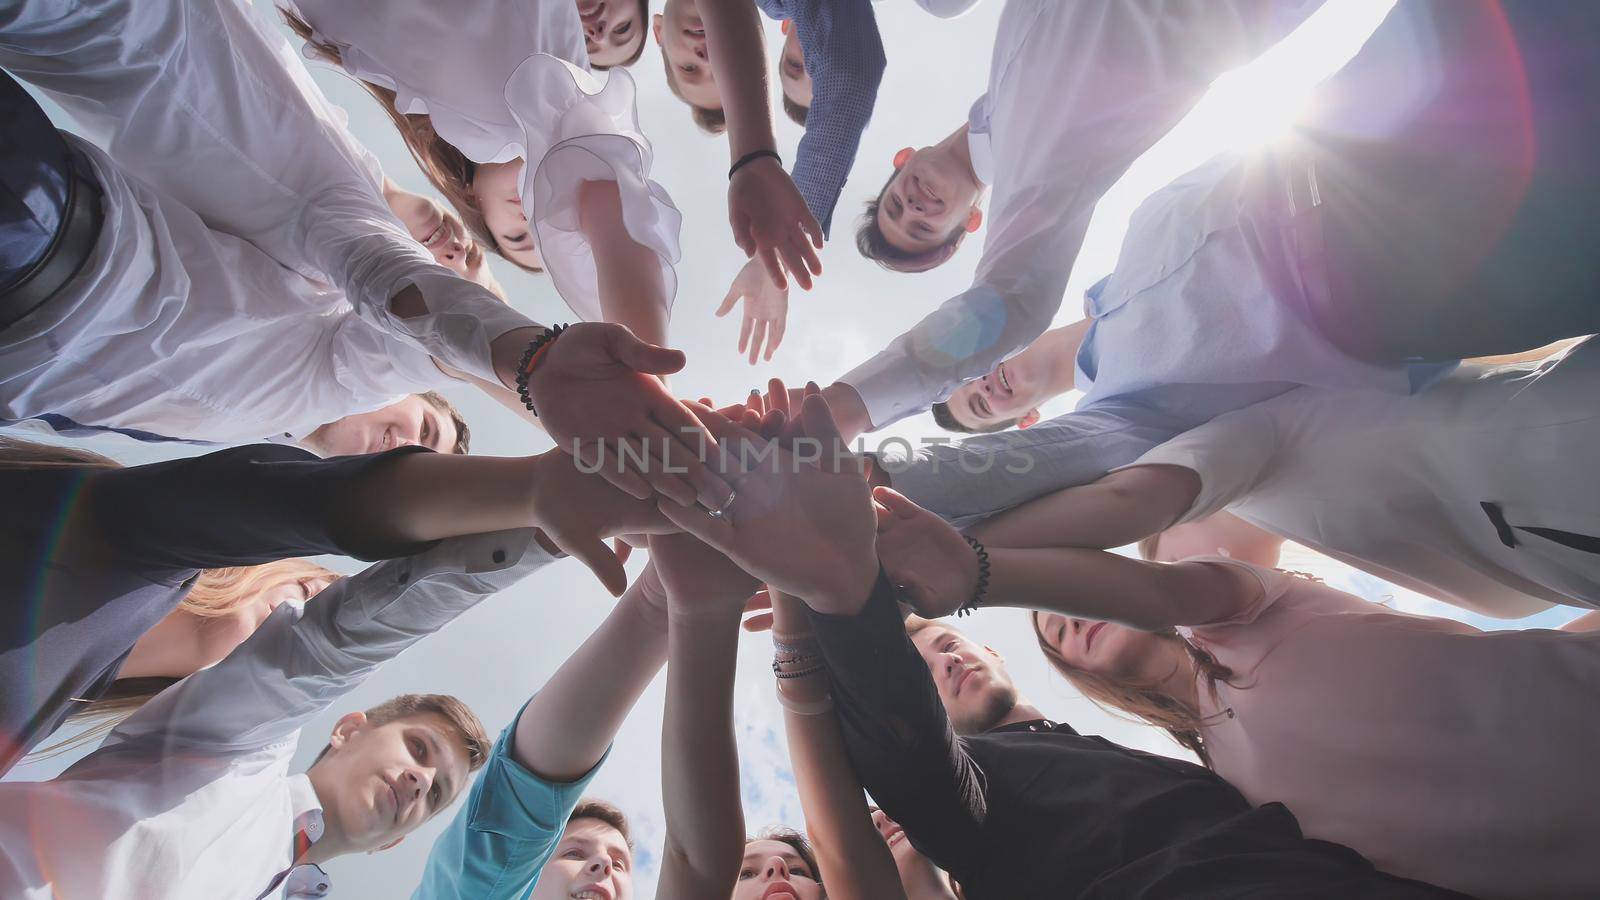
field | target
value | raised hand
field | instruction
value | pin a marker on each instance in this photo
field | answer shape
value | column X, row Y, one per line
column 578, row 511
column 771, row 223
column 766, row 309
column 801, row 519
column 597, row 391
column 698, row 579
column 932, row 564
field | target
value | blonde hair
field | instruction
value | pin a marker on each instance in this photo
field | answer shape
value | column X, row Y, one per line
column 19, row 454
column 445, row 167
column 1146, row 703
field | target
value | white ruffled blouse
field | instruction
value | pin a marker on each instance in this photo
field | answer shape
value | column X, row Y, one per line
column 503, row 81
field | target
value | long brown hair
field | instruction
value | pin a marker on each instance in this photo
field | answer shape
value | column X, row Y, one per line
column 446, row 168
column 1146, row 703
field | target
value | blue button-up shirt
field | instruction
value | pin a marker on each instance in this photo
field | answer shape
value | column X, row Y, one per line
column 844, row 57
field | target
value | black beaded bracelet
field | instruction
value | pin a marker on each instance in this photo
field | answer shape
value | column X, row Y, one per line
column 529, row 357
column 983, row 577
column 751, row 157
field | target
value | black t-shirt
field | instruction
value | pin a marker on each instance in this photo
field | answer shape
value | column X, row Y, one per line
column 90, row 559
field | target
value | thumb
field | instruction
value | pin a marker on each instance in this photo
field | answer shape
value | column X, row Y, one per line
column 643, row 357
column 894, row 501
column 730, row 301
column 623, row 549
column 594, row 553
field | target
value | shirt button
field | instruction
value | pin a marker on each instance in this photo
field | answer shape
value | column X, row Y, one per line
column 402, row 576
column 499, row 556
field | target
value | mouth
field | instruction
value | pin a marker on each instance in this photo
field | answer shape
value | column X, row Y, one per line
column 894, row 835
column 1005, row 380
column 394, row 801
column 961, row 680
column 1091, row 634
column 922, row 188
column 385, row 441
column 592, row 892
column 779, row 889
column 437, row 237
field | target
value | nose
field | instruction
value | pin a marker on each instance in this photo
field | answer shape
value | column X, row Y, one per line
column 776, row 870
column 599, row 865
column 700, row 50
column 415, row 783
column 595, row 29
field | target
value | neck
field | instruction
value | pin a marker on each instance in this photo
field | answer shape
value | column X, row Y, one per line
column 163, row 651
column 1058, row 348
column 1179, row 678
column 956, row 145
column 1022, row 712
column 331, row 846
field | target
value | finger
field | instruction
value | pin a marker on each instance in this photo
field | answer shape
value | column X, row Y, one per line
column 772, row 424
column 741, row 233
column 665, row 470
column 758, row 601
column 895, row 502
column 699, row 522
column 744, row 329
column 641, row 356
column 885, row 517
column 757, row 335
column 812, row 260
column 730, row 301
column 819, row 425
column 769, row 259
column 594, row 553
column 814, row 229
column 758, row 623
column 622, row 549
column 606, row 463
column 795, row 262
column 775, row 335
column 778, row 396
column 684, row 426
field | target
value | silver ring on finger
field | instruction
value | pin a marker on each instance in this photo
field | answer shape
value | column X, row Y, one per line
column 722, row 511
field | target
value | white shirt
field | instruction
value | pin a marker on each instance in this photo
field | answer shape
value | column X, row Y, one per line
column 209, row 104
column 1393, row 485
column 185, row 332
column 191, row 797
column 503, row 80
column 1077, row 91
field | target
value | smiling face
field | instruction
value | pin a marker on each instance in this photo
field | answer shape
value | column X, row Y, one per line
column 411, row 421
column 613, row 30
column 792, row 74
column 1012, row 392
column 378, row 783
column 592, row 861
column 774, row 869
column 682, row 36
column 973, row 683
column 930, row 200
column 497, row 187
column 1114, row 652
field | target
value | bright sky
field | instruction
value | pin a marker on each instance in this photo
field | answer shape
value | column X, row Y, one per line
column 497, row 655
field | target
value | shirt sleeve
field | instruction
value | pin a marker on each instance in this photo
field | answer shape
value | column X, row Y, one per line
column 1119, row 76
column 896, row 732
column 969, row 480
column 844, row 56
column 300, row 661
column 500, row 839
column 1230, row 453
column 241, row 506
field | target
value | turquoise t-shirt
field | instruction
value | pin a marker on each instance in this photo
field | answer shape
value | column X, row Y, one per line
column 502, row 836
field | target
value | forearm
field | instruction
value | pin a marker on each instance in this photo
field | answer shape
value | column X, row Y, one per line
column 1096, row 584
column 738, row 51
column 848, row 846
column 699, row 756
column 1585, row 622
column 428, row 496
column 565, row 729
column 1121, row 508
column 632, row 291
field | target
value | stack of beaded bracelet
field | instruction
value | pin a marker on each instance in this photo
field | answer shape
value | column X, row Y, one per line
column 798, row 657
column 983, row 578
column 530, row 358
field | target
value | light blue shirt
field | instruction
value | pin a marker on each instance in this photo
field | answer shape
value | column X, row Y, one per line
column 1187, row 328
column 504, row 833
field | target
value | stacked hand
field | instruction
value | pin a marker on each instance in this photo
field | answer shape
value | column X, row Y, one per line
column 766, row 309
column 596, row 390
column 932, row 564
column 698, row 580
column 578, row 511
column 802, row 517
column 771, row 223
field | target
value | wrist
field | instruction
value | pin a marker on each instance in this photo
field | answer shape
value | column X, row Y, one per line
column 846, row 595
column 507, row 349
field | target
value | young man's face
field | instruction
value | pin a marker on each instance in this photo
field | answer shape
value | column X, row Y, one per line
column 1011, row 392
column 930, row 198
column 792, row 73
column 592, row 861
column 612, row 30
column 379, row 783
column 411, row 421
column 773, row 869
column 1107, row 649
column 973, row 684
column 682, row 36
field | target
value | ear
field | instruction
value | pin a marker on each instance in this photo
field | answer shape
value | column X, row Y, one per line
column 974, row 220
column 391, row 845
column 903, row 157
column 787, row 26
column 994, row 653
column 1029, row 419
column 346, row 727
column 655, row 26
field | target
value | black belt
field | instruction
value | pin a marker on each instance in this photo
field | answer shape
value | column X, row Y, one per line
column 82, row 219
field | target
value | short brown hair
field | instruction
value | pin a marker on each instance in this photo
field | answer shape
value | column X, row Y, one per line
column 947, row 420
column 601, row 811
column 463, row 723
column 463, row 433
column 795, row 111
column 874, row 244
column 711, row 121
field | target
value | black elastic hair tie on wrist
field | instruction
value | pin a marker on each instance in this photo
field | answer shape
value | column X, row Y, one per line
column 983, row 577
column 751, row 157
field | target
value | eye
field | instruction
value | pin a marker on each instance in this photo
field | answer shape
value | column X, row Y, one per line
column 435, row 795
column 746, row 873
column 620, row 864
column 573, row 853
column 624, row 29
column 689, row 69
column 949, row 647
column 418, row 749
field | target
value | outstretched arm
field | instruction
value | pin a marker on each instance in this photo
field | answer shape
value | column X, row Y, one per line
column 632, row 291
column 1121, row 508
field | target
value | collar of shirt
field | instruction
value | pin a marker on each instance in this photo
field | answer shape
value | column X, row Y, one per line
column 981, row 148
column 303, row 879
column 1036, row 726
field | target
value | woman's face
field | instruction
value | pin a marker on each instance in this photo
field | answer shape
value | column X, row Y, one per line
column 612, row 29
column 498, row 188
column 216, row 636
column 1101, row 648
column 773, row 869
